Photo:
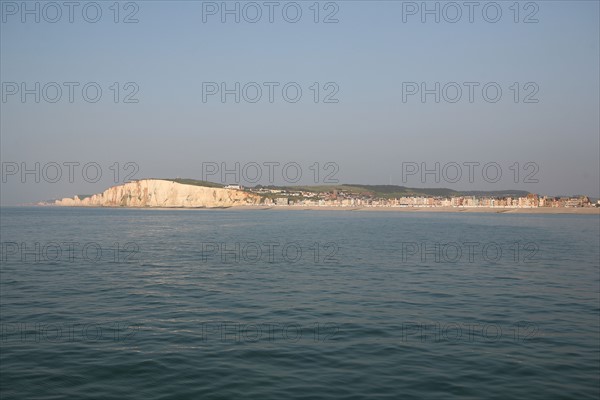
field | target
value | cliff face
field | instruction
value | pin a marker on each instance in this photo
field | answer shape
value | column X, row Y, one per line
column 159, row 193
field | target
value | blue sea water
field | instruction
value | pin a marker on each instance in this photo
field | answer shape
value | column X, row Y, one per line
column 229, row 304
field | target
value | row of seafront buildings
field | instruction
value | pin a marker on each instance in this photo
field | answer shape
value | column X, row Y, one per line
column 333, row 200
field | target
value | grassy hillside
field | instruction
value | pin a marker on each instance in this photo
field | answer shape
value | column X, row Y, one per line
column 394, row 191
column 194, row 182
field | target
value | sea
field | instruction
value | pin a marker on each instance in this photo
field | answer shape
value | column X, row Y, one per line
column 290, row 304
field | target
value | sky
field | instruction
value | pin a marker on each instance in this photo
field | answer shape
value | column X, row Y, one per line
column 463, row 95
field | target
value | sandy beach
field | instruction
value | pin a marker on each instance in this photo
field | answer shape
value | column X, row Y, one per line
column 469, row 210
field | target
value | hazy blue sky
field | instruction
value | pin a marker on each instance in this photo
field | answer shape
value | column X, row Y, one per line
column 374, row 49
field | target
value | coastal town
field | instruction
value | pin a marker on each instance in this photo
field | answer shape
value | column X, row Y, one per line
column 342, row 198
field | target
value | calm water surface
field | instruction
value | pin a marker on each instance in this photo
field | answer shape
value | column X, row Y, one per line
column 220, row 304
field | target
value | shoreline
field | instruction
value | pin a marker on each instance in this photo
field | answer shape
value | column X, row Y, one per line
column 468, row 210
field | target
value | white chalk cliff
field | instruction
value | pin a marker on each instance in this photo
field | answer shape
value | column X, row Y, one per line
column 163, row 193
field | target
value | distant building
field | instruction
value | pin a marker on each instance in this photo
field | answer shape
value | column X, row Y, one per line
column 237, row 187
